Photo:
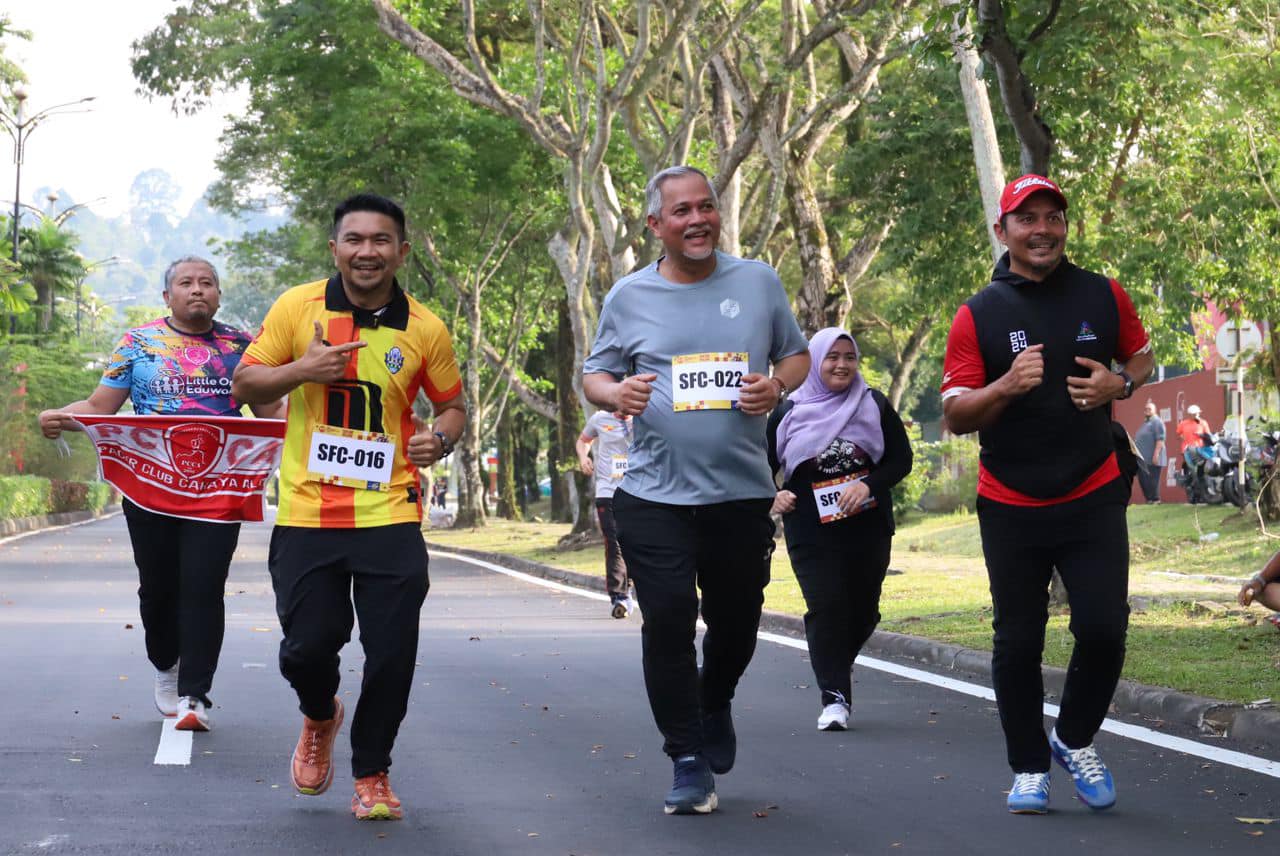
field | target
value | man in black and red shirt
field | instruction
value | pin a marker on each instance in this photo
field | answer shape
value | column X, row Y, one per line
column 1028, row 367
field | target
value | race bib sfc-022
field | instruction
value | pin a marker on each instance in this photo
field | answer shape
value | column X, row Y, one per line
column 710, row 381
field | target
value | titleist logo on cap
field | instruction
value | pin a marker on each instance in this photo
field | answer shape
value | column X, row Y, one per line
column 1033, row 181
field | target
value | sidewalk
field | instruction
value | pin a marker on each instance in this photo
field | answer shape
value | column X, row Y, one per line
column 1258, row 728
column 19, row 525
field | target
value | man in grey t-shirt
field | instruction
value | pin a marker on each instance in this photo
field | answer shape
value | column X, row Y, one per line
column 1149, row 439
column 611, row 434
column 685, row 346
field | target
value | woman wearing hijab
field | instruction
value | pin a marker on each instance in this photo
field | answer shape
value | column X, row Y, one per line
column 841, row 447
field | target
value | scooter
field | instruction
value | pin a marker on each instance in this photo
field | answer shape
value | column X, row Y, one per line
column 1232, row 451
column 1201, row 475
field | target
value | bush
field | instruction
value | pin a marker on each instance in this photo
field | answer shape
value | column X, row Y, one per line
column 951, row 467
column 67, row 495
column 100, row 495
column 24, row 496
column 32, row 496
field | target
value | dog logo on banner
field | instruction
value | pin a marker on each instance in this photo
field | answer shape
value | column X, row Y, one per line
column 194, row 447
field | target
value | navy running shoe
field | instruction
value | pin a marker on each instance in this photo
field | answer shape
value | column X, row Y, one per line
column 719, row 741
column 693, row 790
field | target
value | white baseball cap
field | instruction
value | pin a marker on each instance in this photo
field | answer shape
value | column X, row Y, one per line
column 1194, row 410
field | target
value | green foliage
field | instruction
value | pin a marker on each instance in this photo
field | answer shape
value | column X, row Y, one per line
column 33, row 496
column 906, row 493
column 33, row 379
column 24, row 496
column 950, row 470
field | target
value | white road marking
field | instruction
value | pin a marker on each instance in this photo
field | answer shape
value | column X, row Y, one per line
column 1241, row 760
column 56, row 528
column 175, row 745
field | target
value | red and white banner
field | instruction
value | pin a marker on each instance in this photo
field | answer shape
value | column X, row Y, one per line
column 214, row 468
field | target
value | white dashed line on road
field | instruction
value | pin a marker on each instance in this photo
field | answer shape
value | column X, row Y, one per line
column 175, row 745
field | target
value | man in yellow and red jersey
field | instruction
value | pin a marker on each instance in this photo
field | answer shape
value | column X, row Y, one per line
column 352, row 352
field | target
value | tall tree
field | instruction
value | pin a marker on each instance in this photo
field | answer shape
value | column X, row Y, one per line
column 48, row 260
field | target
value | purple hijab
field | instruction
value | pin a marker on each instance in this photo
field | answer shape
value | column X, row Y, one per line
column 820, row 415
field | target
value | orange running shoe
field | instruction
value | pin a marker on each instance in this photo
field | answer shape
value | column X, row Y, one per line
column 374, row 799
column 313, row 758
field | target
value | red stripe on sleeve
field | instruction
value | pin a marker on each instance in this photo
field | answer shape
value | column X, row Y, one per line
column 962, row 366
column 1132, row 336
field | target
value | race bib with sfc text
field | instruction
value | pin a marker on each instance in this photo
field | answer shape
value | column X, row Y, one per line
column 826, row 494
column 359, row 459
column 710, row 381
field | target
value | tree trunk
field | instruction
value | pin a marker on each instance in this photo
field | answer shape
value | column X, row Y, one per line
column 908, row 360
column 508, row 507
column 982, row 128
column 569, row 426
column 471, row 510
column 527, row 429
column 817, row 265
column 1269, row 486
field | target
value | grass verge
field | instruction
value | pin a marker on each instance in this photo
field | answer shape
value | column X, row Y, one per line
column 941, row 592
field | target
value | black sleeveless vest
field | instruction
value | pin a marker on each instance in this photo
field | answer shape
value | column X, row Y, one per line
column 1042, row 445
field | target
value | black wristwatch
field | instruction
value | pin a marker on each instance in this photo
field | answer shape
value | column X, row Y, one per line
column 446, row 445
column 1128, row 384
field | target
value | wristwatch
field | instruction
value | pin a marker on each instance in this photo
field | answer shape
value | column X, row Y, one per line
column 446, row 445
column 1128, row 384
column 783, row 392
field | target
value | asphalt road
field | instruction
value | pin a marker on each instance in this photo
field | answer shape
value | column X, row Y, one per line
column 528, row 733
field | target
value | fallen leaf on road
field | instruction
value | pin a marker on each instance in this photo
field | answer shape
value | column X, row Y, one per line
column 124, row 677
column 629, row 755
column 760, row 813
column 74, row 760
column 115, row 716
column 473, row 639
column 1262, row 820
column 262, row 630
column 533, row 835
column 128, row 627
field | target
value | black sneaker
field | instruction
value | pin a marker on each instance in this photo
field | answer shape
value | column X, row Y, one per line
column 719, row 742
column 693, row 790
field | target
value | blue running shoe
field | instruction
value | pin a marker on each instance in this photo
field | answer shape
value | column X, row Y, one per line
column 719, row 740
column 694, row 788
column 1092, row 778
column 1029, row 794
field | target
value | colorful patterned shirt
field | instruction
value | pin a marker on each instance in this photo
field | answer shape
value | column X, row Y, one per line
column 168, row 371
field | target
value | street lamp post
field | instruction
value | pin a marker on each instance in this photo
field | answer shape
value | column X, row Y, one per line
column 19, row 127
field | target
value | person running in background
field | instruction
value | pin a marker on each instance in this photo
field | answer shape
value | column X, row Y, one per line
column 178, row 364
column 611, row 434
column 841, row 448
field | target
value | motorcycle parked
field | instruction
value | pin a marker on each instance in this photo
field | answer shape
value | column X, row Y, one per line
column 1212, row 472
column 1232, row 452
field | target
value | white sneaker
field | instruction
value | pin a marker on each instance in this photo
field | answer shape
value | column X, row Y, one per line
column 192, row 715
column 167, row 691
column 834, row 717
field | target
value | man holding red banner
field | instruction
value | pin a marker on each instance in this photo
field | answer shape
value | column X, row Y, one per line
column 352, row 353
column 180, row 365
